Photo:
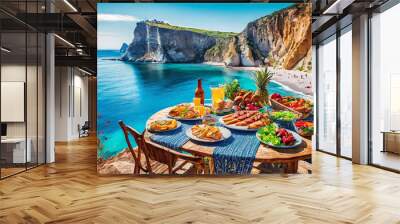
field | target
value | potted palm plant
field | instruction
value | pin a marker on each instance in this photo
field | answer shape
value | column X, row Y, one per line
column 262, row 78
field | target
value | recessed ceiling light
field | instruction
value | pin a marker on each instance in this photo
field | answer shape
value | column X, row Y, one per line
column 337, row 7
column 5, row 50
column 64, row 40
column 84, row 71
column 70, row 5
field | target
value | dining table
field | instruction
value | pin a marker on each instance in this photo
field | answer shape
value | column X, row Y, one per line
column 289, row 158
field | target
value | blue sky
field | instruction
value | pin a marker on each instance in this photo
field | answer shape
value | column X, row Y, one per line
column 117, row 21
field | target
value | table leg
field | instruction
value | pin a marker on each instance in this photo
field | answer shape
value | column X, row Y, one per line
column 291, row 167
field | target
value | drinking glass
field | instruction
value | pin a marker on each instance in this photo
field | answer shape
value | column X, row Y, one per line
column 201, row 109
column 217, row 95
column 196, row 101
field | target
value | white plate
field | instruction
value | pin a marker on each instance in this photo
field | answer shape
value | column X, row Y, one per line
column 296, row 136
column 178, row 125
column 225, row 135
column 185, row 119
column 235, row 127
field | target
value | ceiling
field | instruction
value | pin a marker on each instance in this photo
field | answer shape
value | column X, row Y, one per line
column 73, row 21
column 332, row 15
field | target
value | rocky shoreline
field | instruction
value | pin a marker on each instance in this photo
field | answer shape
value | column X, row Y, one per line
column 122, row 163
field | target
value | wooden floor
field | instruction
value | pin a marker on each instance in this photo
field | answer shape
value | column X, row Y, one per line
column 70, row 191
column 5, row 172
column 386, row 159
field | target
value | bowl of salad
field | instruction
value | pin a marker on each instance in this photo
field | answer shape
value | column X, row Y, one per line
column 304, row 128
column 284, row 119
column 277, row 137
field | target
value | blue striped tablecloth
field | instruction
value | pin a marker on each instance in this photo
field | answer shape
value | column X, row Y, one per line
column 236, row 154
column 231, row 156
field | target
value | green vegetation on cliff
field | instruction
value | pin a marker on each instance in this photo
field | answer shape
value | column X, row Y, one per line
column 210, row 33
column 216, row 51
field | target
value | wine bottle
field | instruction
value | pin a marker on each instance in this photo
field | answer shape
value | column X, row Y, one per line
column 199, row 93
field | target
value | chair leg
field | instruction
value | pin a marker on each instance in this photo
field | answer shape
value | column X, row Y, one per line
column 211, row 165
column 200, row 168
column 136, row 169
column 170, row 171
column 149, row 170
column 138, row 162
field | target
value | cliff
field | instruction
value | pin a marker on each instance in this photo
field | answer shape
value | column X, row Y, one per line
column 280, row 40
column 161, row 42
column 123, row 48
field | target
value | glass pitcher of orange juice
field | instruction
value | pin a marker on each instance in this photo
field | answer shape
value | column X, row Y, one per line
column 217, row 95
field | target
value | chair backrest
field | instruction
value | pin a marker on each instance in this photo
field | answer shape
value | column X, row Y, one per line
column 136, row 135
column 150, row 151
column 168, row 156
column 160, row 154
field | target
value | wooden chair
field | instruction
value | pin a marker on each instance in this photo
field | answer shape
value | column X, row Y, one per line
column 140, row 143
column 170, row 158
column 158, row 153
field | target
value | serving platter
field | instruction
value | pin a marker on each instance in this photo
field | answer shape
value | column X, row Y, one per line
column 298, row 141
column 225, row 135
column 178, row 125
column 185, row 119
column 235, row 127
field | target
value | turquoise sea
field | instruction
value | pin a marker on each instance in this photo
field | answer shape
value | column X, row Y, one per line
column 133, row 92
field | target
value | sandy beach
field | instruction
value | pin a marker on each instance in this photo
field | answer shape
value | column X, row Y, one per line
column 294, row 79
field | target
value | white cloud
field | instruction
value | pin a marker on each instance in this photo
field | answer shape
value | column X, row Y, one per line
column 116, row 17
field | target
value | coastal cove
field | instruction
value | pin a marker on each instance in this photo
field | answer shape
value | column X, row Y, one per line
column 134, row 91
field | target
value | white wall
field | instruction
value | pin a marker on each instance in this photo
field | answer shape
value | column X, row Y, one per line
column 71, row 102
column 81, row 109
column 16, row 73
column 62, row 82
column 12, row 73
column 33, row 127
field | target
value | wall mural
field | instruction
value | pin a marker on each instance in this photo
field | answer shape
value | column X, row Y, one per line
column 204, row 88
